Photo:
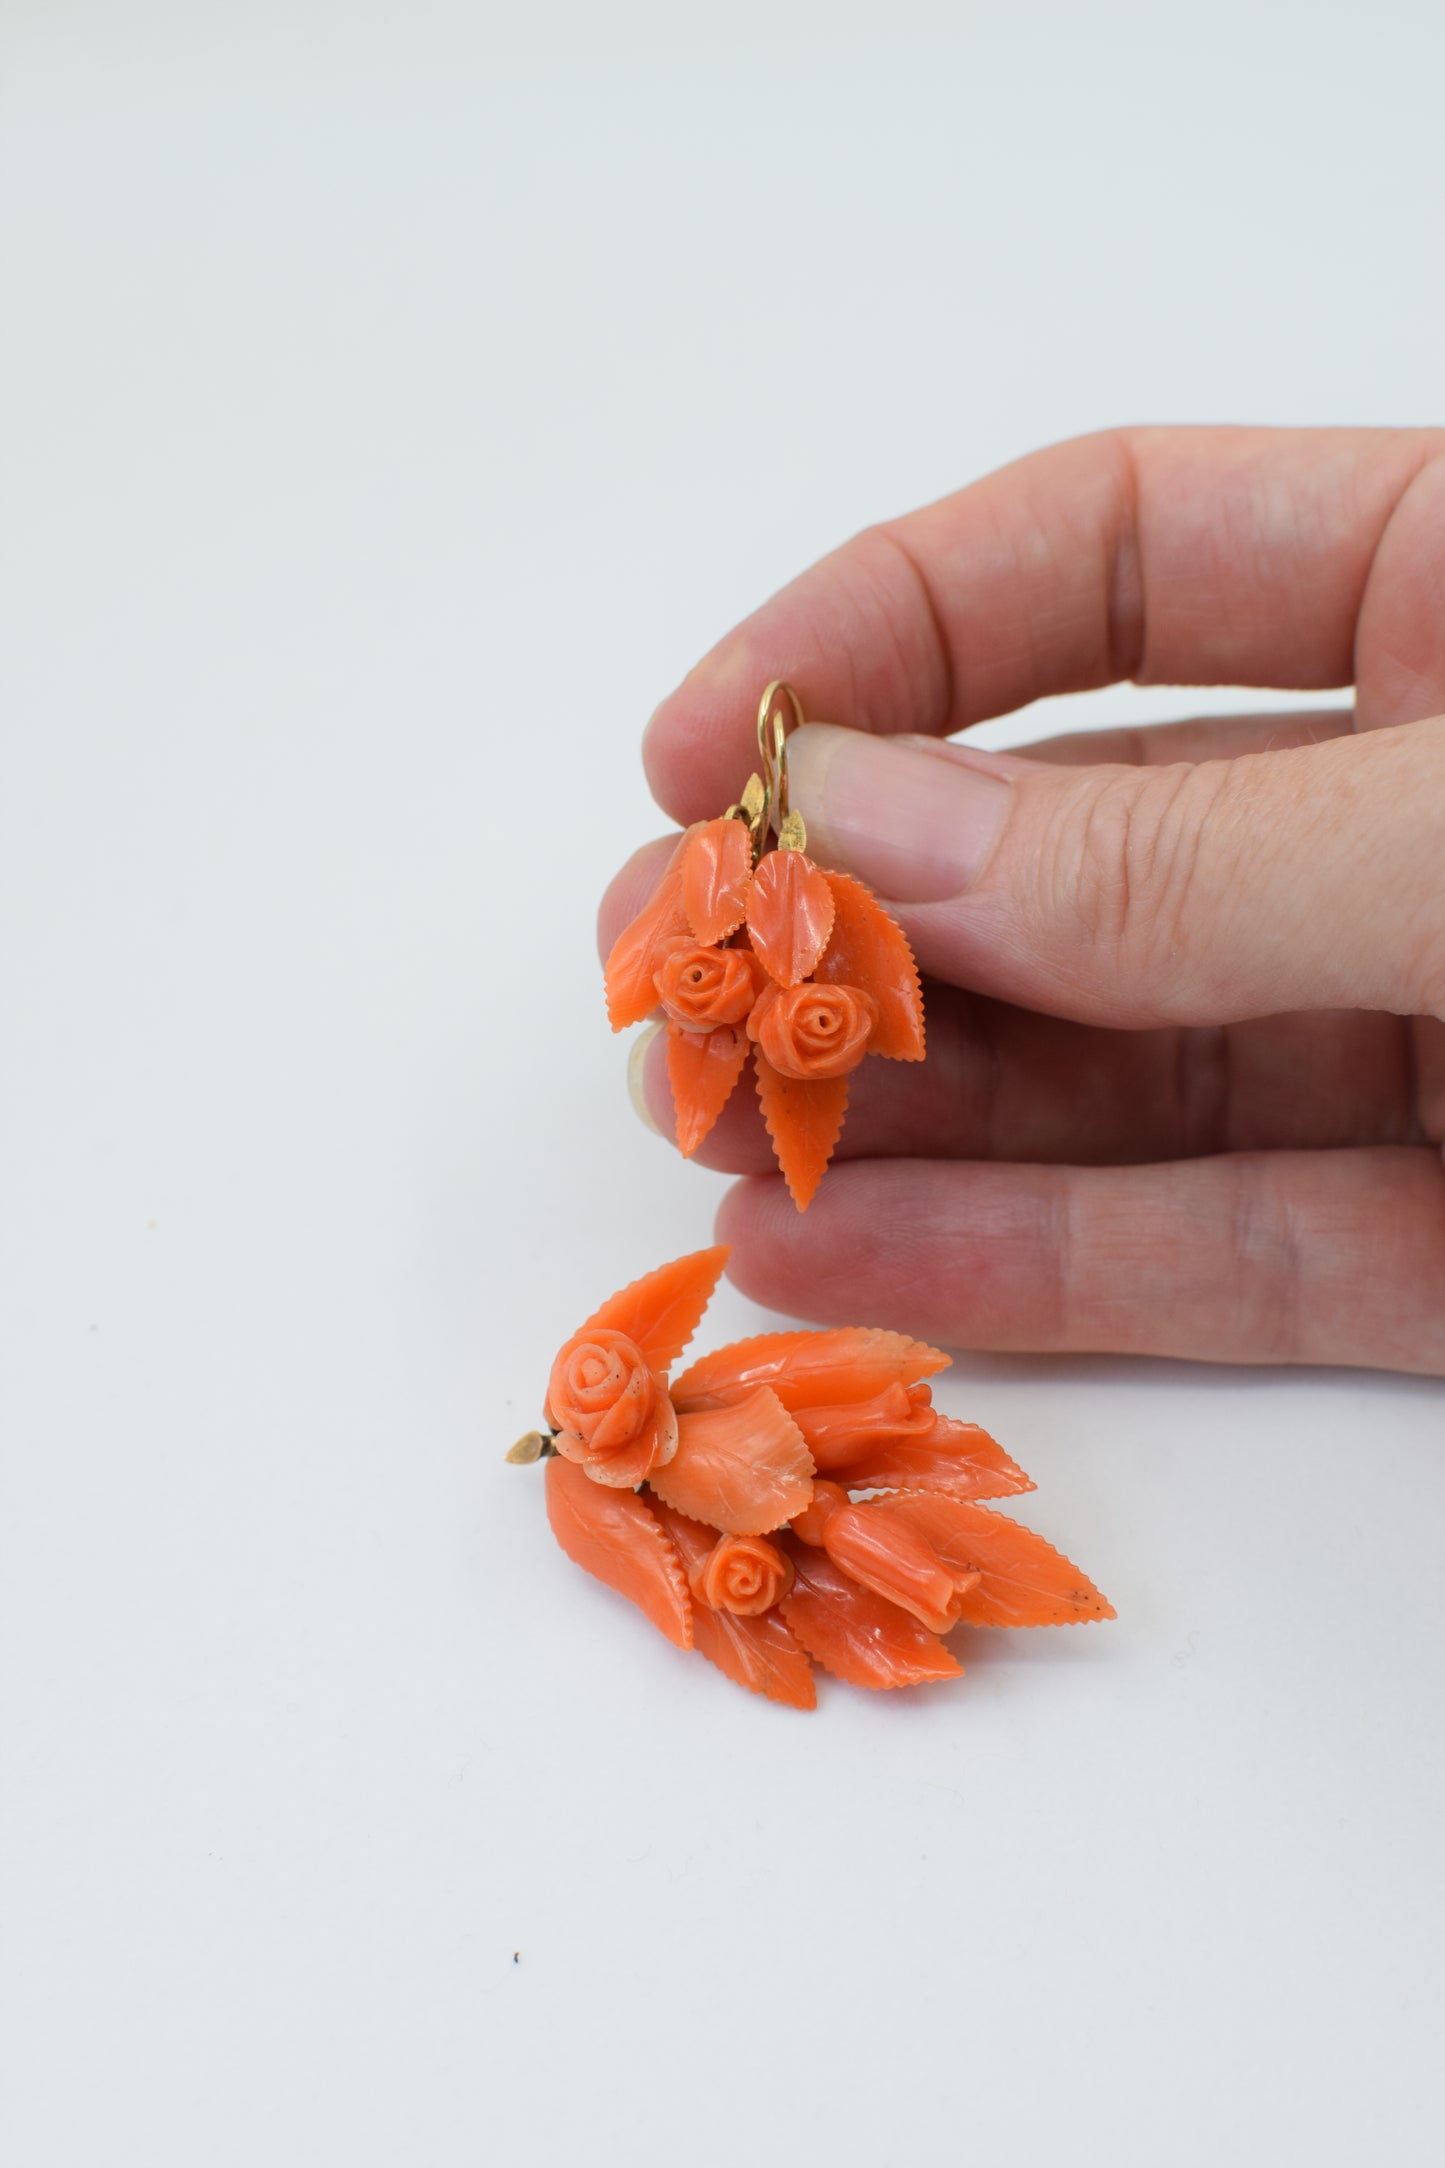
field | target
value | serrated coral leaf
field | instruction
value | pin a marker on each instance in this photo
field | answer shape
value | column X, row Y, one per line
column 615, row 1536
column 758, row 1653
column 744, row 1468
column 870, row 950
column 762, row 1654
column 958, row 1458
column 640, row 947
column 660, row 1312
column 809, row 1369
column 856, row 1635
column 692, row 1540
column 804, row 1118
column 790, row 915
column 717, row 865
column 702, row 1068
column 1025, row 1581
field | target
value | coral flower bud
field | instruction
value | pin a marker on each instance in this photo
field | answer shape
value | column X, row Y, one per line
column 702, row 988
column 838, row 1435
column 826, row 1500
column 743, row 1574
column 895, row 1561
column 813, row 1031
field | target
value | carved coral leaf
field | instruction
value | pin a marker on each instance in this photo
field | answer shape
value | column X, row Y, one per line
column 856, row 1635
column 958, row 1458
column 702, row 1068
column 809, row 1369
column 661, row 1311
column 790, row 915
column 743, row 1469
column 615, row 1536
column 716, row 862
column 692, row 1540
column 640, row 947
column 804, row 1118
column 758, row 1653
column 762, row 1654
column 870, row 950
column 1024, row 1580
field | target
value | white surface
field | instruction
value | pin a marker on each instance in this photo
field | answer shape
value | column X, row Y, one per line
column 392, row 413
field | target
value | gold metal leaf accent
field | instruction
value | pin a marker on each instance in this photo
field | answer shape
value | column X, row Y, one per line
column 753, row 808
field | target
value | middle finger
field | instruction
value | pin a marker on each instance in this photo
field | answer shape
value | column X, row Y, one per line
column 1008, row 1084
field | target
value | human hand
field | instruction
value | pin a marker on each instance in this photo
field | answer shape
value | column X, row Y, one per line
column 1185, row 1085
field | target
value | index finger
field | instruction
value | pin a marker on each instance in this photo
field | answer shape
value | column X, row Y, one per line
column 1301, row 558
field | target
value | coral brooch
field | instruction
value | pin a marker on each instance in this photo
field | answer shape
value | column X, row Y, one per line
column 749, row 948
column 725, row 1503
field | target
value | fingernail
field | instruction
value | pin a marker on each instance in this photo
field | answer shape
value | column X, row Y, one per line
column 637, row 1078
column 914, row 827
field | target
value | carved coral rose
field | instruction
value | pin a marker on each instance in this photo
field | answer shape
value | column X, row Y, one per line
column 703, row 988
column 813, row 1031
column 611, row 1411
column 743, row 1574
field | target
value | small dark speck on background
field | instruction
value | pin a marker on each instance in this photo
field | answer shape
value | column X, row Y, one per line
column 516, row 1957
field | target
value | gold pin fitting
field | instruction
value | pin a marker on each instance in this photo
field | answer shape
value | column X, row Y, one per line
column 537, row 1445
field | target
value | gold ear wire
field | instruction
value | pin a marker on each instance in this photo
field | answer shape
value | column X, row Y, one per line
column 765, row 800
column 773, row 746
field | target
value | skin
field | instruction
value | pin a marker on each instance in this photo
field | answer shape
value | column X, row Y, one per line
column 1185, row 1087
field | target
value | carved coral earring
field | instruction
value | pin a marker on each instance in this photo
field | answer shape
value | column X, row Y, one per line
column 748, row 1538
column 749, row 947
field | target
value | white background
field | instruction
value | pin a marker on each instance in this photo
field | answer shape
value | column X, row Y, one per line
column 395, row 402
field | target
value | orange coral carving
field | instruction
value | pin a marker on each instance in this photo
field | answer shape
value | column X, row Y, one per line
column 737, row 1546
column 1023, row 1581
column 816, row 967
column 809, row 1369
column 663, row 1309
column 628, row 978
column 811, row 1032
column 702, row 1068
column 716, row 868
column 790, row 915
column 744, row 1469
column 612, row 1413
column 959, row 1458
column 870, row 950
column 857, row 1635
column 759, row 1652
column 615, row 1536
column 804, row 1121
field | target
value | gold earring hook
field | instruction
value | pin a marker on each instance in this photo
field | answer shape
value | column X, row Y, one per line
column 765, row 801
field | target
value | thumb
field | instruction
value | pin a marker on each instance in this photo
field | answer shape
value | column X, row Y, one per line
column 1302, row 879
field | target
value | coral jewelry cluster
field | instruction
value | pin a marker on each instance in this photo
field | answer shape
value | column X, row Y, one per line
column 790, row 1499
column 753, row 950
